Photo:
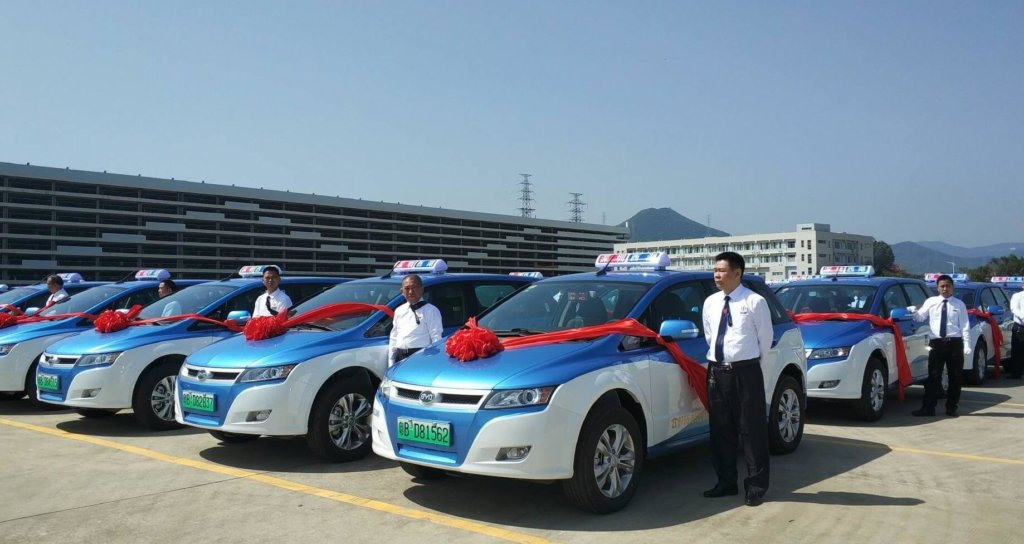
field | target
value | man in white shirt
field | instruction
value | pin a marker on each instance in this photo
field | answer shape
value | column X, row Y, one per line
column 416, row 325
column 949, row 340
column 738, row 329
column 1017, row 340
column 274, row 301
column 55, row 285
column 165, row 288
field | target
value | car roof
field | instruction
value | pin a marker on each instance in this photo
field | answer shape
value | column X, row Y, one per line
column 874, row 281
column 645, row 276
column 430, row 279
column 285, row 280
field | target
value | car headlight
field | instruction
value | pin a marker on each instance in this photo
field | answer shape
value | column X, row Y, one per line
column 829, row 353
column 385, row 388
column 6, row 348
column 515, row 398
column 266, row 374
column 98, row 359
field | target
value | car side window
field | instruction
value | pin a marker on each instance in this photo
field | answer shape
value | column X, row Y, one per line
column 486, row 294
column 893, row 298
column 988, row 298
column 243, row 302
column 680, row 301
column 450, row 301
column 37, row 301
column 1001, row 297
column 142, row 297
column 300, row 292
column 916, row 294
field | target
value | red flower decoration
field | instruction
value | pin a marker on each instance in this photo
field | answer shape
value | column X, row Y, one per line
column 472, row 342
column 113, row 321
column 6, row 320
column 263, row 327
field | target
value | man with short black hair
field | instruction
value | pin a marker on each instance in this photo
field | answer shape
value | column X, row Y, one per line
column 949, row 341
column 416, row 325
column 274, row 301
column 738, row 329
column 163, row 289
column 55, row 285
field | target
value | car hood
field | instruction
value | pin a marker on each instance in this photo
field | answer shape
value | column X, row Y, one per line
column 91, row 341
column 291, row 347
column 31, row 331
column 834, row 334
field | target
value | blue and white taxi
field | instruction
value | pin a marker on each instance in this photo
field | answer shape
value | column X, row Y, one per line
column 587, row 412
column 99, row 374
column 984, row 297
column 23, row 344
column 1011, row 284
column 854, row 360
column 30, row 298
column 318, row 379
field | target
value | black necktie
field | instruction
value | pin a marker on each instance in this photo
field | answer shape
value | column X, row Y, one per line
column 943, row 319
column 269, row 309
column 724, row 322
column 415, row 307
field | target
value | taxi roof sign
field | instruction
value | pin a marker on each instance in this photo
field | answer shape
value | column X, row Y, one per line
column 534, row 274
column 254, row 271
column 934, row 276
column 655, row 260
column 70, row 277
column 1007, row 279
column 861, row 270
column 426, row 266
column 152, row 275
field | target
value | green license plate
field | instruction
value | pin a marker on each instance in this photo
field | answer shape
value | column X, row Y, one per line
column 47, row 382
column 428, row 432
column 200, row 402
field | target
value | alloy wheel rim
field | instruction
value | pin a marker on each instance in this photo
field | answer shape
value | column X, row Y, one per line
column 789, row 415
column 349, row 421
column 614, row 461
column 877, row 390
column 161, row 400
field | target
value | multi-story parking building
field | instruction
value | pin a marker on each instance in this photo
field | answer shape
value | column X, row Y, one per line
column 103, row 225
column 774, row 256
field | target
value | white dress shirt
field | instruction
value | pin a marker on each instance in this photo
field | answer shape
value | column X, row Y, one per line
column 751, row 333
column 1017, row 307
column 279, row 302
column 958, row 323
column 57, row 297
column 172, row 308
column 419, row 328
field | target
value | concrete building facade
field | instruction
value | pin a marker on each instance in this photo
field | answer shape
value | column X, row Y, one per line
column 106, row 225
column 774, row 256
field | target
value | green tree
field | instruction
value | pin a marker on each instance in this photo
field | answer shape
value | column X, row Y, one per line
column 885, row 260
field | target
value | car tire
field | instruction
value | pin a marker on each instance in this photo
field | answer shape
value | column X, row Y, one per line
column 786, row 416
column 233, row 438
column 339, row 422
column 871, row 404
column 33, row 397
column 153, row 401
column 421, row 472
column 95, row 413
column 980, row 367
column 610, row 449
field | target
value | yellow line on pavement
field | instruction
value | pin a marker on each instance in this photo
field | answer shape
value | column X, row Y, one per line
column 372, row 504
column 992, row 403
column 877, row 446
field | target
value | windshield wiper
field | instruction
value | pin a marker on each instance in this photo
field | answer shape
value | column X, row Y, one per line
column 314, row 326
column 516, row 331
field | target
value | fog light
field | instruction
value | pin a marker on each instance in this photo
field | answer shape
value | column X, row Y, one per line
column 90, row 393
column 516, row 453
column 828, row 384
column 262, row 415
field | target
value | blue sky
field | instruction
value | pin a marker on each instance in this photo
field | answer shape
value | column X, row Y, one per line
column 893, row 119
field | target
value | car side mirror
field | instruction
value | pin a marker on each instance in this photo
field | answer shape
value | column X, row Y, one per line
column 678, row 329
column 239, row 316
column 900, row 314
column 995, row 309
column 32, row 310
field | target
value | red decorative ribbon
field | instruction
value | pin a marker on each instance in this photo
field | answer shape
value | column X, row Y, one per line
column 229, row 324
column 14, row 310
column 475, row 341
column 113, row 320
column 261, row 328
column 6, row 319
column 902, row 365
column 997, row 336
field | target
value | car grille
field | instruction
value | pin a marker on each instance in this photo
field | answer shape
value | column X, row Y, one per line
column 442, row 397
column 219, row 375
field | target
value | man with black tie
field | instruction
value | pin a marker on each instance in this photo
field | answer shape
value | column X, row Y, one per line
column 949, row 340
column 1017, row 338
column 416, row 325
column 274, row 301
column 738, row 329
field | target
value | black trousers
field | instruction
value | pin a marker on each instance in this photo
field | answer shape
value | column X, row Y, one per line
column 947, row 353
column 737, row 412
column 403, row 353
column 1016, row 366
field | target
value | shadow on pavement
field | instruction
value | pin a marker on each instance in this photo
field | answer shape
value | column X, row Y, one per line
column 23, row 407
column 290, row 455
column 669, row 492
column 122, row 424
column 897, row 414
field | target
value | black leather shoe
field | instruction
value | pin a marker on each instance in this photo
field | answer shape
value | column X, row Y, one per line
column 952, row 413
column 754, row 499
column 721, row 491
column 923, row 412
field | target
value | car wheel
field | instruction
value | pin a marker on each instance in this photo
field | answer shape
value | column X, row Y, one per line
column 421, row 472
column 980, row 367
column 95, row 412
column 785, row 418
column 608, row 462
column 233, row 438
column 871, row 404
column 153, row 401
column 339, row 424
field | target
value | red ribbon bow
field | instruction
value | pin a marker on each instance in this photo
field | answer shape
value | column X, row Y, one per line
column 263, row 327
column 113, row 320
column 997, row 336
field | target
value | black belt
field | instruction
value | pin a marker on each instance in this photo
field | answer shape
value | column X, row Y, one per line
column 734, row 364
column 402, row 353
column 946, row 340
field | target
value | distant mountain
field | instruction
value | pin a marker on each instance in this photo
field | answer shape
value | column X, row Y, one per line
column 916, row 258
column 992, row 251
column 665, row 224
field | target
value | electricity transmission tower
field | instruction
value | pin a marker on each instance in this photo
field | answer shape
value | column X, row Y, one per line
column 526, row 197
column 576, row 208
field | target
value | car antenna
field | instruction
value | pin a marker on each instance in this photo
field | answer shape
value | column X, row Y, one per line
column 604, row 270
column 124, row 279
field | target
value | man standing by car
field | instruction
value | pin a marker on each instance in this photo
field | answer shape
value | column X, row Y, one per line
column 949, row 341
column 1017, row 340
column 738, row 329
column 274, row 301
column 417, row 323
column 55, row 285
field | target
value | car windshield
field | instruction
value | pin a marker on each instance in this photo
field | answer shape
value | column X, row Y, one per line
column 559, row 305
column 836, row 297
column 966, row 294
column 379, row 293
column 187, row 301
column 12, row 296
column 81, row 302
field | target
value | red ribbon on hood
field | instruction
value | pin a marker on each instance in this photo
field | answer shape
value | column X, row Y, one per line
column 261, row 328
column 474, row 341
column 997, row 336
column 902, row 364
column 7, row 320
